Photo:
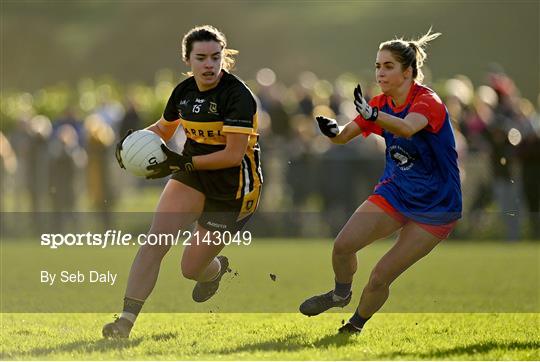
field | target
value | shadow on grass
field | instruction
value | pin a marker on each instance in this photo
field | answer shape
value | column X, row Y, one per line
column 468, row 350
column 102, row 345
column 292, row 342
column 161, row 337
column 336, row 340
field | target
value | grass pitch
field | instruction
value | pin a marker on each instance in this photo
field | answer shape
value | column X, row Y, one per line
column 465, row 301
column 281, row 336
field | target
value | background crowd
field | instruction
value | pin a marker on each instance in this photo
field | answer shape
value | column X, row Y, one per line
column 57, row 152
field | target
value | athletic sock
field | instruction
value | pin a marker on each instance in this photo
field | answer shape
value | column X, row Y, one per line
column 131, row 310
column 342, row 290
column 358, row 321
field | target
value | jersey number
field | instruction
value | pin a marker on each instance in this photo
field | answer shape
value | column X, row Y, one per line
column 196, row 108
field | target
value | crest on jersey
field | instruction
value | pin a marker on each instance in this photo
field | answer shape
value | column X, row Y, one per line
column 212, row 108
column 401, row 157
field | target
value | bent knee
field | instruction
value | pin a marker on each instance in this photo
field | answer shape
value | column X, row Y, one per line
column 342, row 247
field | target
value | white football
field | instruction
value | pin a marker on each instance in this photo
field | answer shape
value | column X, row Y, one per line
column 141, row 149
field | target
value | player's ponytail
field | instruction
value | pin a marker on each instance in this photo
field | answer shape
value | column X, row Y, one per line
column 418, row 46
column 410, row 53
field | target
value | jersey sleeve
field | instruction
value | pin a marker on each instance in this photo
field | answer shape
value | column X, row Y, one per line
column 240, row 111
column 171, row 111
column 430, row 106
column 369, row 127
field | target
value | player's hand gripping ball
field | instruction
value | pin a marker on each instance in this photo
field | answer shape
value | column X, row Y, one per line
column 138, row 150
column 174, row 162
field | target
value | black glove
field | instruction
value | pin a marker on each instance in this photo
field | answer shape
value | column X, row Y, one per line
column 119, row 149
column 369, row 113
column 173, row 163
column 328, row 126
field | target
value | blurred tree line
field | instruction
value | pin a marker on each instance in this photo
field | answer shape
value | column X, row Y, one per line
column 44, row 42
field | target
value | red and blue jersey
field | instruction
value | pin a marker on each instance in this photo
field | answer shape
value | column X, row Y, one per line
column 421, row 176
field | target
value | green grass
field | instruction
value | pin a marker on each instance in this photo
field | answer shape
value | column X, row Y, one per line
column 274, row 337
column 455, row 277
column 466, row 300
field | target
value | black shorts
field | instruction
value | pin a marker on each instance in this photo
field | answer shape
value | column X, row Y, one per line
column 222, row 214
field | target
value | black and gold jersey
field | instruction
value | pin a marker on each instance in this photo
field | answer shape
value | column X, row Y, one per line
column 206, row 117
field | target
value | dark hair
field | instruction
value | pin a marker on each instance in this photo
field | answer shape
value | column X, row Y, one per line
column 208, row 33
column 410, row 53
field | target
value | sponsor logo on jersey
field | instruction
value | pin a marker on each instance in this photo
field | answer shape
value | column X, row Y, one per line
column 202, row 132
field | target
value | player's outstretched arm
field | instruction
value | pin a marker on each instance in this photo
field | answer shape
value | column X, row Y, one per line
column 405, row 127
column 337, row 134
column 347, row 133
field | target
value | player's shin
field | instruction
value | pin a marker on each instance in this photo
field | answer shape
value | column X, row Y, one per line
column 373, row 299
column 344, row 265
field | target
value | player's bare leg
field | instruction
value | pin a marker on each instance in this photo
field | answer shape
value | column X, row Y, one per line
column 367, row 224
column 201, row 263
column 412, row 244
column 178, row 207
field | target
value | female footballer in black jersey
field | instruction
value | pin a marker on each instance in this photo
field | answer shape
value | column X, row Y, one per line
column 216, row 181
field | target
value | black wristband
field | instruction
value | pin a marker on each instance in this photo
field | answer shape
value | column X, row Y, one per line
column 374, row 114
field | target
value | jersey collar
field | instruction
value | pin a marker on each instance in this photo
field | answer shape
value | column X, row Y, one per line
column 410, row 96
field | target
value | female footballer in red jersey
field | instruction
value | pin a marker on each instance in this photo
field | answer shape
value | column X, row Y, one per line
column 216, row 181
column 419, row 193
